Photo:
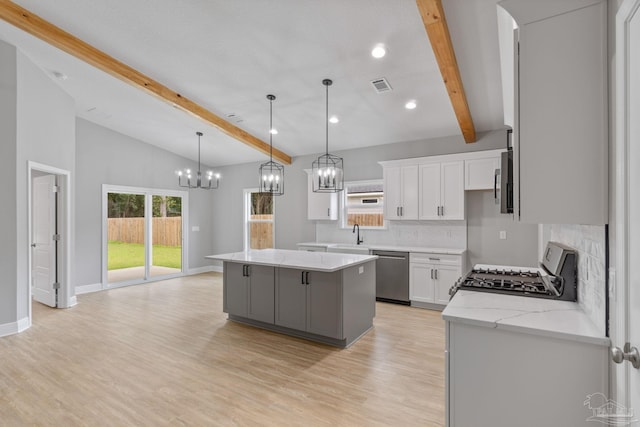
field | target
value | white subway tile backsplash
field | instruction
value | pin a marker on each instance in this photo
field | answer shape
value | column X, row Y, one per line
column 589, row 242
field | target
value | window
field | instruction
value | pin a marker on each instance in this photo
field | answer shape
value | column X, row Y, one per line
column 363, row 204
column 259, row 211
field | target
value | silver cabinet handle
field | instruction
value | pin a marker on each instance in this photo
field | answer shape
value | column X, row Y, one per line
column 434, row 259
column 442, row 210
column 401, row 210
column 431, row 273
column 435, row 274
column 438, row 209
column 630, row 353
column 328, row 211
column 397, row 210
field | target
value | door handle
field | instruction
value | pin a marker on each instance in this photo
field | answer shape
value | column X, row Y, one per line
column 306, row 278
column 495, row 184
column 435, row 274
column 431, row 273
column 629, row 353
column 397, row 210
column 302, row 278
column 33, row 245
column 442, row 210
column 329, row 212
column 401, row 210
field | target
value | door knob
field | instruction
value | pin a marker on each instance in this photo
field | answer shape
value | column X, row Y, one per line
column 629, row 353
column 33, row 245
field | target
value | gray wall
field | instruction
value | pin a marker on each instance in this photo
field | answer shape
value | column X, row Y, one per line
column 107, row 157
column 37, row 124
column 484, row 223
column 292, row 225
column 8, row 120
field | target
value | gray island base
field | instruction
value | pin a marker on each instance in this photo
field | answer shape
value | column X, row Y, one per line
column 324, row 297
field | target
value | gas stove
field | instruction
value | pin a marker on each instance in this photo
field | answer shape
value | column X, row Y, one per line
column 555, row 279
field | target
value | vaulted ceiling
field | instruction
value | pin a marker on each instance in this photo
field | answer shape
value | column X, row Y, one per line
column 228, row 55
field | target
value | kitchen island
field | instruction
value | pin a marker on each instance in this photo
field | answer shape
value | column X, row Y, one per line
column 325, row 297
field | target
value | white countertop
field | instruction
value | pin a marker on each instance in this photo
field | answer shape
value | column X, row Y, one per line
column 376, row 247
column 316, row 261
column 538, row 316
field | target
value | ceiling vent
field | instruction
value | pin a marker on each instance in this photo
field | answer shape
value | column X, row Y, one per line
column 381, row 85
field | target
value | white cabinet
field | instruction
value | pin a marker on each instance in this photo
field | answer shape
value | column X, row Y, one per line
column 560, row 104
column 401, row 192
column 441, row 189
column 321, row 206
column 480, row 173
column 431, row 276
column 557, row 374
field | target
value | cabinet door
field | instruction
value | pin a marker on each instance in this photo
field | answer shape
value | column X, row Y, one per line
column 261, row 293
column 452, row 190
column 480, row 174
column 446, row 277
column 235, row 289
column 421, row 286
column 291, row 299
column 410, row 193
column 430, row 191
column 321, row 206
column 324, row 304
column 392, row 192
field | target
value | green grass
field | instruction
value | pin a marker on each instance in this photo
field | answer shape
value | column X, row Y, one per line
column 125, row 255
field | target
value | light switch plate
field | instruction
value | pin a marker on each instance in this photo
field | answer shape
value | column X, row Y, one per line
column 503, row 235
column 195, row 228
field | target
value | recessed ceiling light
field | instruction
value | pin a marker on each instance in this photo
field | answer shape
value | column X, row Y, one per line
column 378, row 51
column 273, row 131
column 334, row 119
column 410, row 105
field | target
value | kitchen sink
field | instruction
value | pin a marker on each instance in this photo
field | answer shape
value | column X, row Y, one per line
column 348, row 249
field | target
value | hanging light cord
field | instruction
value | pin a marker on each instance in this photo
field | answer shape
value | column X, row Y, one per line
column 199, row 135
column 327, row 119
column 271, row 127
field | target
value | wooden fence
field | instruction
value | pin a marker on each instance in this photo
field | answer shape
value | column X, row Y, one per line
column 166, row 231
column 261, row 233
column 366, row 219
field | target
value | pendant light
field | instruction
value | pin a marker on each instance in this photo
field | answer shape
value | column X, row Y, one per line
column 209, row 182
column 271, row 174
column 327, row 170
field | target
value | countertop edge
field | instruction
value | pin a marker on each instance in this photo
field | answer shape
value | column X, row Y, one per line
column 222, row 258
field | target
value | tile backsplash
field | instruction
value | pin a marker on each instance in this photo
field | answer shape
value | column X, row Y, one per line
column 427, row 234
column 590, row 243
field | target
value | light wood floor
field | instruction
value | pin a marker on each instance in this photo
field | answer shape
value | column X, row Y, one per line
column 164, row 354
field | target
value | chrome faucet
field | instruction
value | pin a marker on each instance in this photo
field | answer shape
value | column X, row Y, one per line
column 358, row 240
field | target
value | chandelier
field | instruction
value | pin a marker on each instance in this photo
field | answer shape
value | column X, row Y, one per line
column 187, row 179
column 327, row 170
column 271, row 174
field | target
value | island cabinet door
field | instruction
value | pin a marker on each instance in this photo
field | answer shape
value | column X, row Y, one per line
column 324, row 304
column 261, row 293
column 291, row 298
column 235, row 286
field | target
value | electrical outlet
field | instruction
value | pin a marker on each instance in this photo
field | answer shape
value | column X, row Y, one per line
column 195, row 228
column 503, row 235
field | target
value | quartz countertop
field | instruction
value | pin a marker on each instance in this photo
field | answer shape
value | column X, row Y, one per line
column 315, row 261
column 538, row 316
column 377, row 247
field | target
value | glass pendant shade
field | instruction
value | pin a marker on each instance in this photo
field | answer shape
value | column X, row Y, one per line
column 271, row 174
column 189, row 179
column 327, row 170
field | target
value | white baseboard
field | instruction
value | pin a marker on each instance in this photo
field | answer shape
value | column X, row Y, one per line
column 14, row 327
column 85, row 289
column 207, row 269
column 73, row 301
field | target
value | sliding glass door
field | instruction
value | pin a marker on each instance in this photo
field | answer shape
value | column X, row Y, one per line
column 143, row 234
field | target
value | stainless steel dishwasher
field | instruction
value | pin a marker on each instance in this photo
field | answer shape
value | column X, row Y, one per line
column 392, row 276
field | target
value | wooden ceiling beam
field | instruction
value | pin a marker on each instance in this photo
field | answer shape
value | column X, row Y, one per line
column 435, row 23
column 57, row 37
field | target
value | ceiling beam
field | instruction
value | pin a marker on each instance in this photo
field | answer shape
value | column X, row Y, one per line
column 57, row 37
column 436, row 25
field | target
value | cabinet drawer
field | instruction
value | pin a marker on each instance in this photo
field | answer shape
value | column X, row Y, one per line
column 430, row 258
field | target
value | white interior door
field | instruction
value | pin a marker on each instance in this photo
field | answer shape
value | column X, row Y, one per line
column 633, row 322
column 43, row 272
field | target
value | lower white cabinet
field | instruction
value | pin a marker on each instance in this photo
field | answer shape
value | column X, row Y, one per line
column 431, row 276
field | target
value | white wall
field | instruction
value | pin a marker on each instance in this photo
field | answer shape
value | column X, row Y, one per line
column 104, row 156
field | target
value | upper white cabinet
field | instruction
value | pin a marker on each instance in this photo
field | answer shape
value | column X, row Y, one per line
column 401, row 192
column 321, row 206
column 480, row 173
column 441, row 189
column 559, row 67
